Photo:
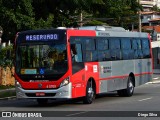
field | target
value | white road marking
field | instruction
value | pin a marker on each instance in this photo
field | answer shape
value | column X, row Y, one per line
column 145, row 99
column 155, row 82
column 77, row 113
column 156, row 78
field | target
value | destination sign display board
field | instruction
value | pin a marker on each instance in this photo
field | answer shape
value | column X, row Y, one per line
column 44, row 37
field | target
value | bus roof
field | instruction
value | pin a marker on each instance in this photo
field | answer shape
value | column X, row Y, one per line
column 102, row 28
column 110, row 31
column 101, row 31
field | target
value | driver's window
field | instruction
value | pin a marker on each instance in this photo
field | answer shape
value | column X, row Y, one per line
column 76, row 52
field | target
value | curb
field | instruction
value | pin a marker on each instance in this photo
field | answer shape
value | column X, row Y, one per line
column 154, row 82
column 8, row 98
column 4, row 91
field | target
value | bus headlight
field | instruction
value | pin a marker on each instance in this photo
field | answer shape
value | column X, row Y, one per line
column 18, row 84
column 64, row 82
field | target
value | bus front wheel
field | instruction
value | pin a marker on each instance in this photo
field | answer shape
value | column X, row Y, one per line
column 90, row 93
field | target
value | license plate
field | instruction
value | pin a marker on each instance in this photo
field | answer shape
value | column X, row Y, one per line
column 40, row 94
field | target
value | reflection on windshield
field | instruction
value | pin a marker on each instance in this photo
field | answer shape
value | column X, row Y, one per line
column 42, row 59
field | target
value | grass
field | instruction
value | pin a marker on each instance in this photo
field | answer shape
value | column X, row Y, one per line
column 2, row 87
column 7, row 94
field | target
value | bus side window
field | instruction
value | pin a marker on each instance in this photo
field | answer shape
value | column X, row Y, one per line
column 145, row 48
column 137, row 47
column 127, row 53
column 115, row 49
column 76, row 52
column 90, row 53
column 103, row 49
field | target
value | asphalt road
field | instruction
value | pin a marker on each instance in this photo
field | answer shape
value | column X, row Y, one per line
column 144, row 103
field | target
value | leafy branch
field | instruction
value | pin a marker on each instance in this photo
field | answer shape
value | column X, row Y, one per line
column 6, row 56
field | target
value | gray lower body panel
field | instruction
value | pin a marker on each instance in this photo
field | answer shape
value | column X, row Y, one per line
column 114, row 74
column 121, row 83
column 63, row 92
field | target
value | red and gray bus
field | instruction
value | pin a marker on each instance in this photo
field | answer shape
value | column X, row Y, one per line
column 81, row 62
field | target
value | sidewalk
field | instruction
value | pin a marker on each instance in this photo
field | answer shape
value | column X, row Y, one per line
column 156, row 78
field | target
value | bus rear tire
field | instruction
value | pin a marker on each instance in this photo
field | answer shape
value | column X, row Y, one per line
column 42, row 101
column 128, row 92
column 90, row 93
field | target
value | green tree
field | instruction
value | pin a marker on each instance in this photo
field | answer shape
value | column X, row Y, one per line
column 18, row 15
column 155, row 8
column 15, row 15
column 122, row 12
column 6, row 56
column 67, row 12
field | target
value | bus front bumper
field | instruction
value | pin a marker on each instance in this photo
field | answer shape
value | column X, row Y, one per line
column 63, row 92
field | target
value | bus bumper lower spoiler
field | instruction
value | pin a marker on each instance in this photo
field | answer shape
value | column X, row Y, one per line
column 63, row 92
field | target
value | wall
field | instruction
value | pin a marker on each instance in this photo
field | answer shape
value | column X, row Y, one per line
column 6, row 76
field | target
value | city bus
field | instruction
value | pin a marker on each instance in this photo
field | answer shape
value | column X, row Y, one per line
column 81, row 62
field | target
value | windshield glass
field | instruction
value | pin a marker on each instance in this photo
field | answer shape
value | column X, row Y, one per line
column 47, row 59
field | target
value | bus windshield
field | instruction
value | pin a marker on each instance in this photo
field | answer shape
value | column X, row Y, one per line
column 48, row 59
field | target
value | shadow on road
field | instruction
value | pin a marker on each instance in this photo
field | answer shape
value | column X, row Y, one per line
column 56, row 103
column 60, row 103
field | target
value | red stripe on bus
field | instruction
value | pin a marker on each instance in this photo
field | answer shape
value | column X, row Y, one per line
column 113, row 77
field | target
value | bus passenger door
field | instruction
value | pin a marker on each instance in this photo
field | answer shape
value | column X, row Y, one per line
column 77, row 69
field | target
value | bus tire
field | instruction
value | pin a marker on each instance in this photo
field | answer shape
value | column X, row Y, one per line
column 42, row 101
column 90, row 93
column 120, row 93
column 128, row 92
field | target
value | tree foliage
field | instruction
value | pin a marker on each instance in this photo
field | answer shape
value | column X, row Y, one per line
column 122, row 11
column 6, row 56
column 19, row 15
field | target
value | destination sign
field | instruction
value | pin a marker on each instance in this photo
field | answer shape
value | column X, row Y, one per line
column 44, row 37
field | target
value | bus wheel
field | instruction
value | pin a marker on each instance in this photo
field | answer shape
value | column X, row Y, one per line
column 42, row 101
column 129, row 90
column 90, row 93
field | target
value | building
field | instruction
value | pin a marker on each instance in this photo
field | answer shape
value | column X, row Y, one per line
column 150, row 18
column 149, row 15
column 154, row 32
column 149, row 4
